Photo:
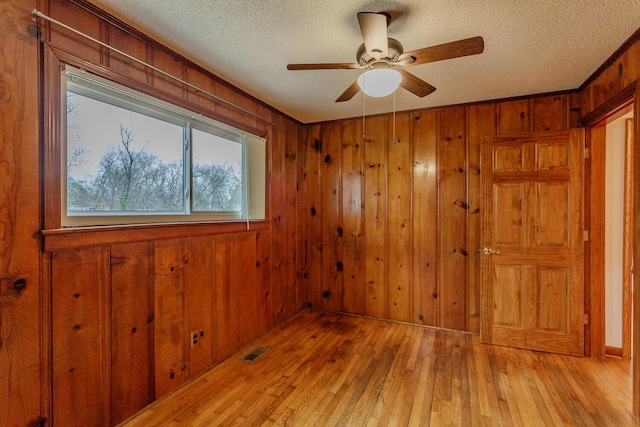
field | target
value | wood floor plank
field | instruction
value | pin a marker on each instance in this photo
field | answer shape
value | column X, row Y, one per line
column 330, row 369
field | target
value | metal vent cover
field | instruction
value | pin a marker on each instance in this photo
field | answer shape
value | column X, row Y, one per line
column 255, row 353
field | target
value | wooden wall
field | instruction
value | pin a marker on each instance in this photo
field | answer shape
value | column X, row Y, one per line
column 391, row 226
column 95, row 323
column 20, row 300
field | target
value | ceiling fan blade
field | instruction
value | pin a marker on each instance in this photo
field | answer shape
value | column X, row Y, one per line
column 415, row 85
column 349, row 93
column 373, row 27
column 327, row 66
column 465, row 47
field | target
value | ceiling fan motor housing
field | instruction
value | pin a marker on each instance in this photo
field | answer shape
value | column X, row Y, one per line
column 395, row 50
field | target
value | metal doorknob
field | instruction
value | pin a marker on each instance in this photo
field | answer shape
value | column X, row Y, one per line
column 489, row 251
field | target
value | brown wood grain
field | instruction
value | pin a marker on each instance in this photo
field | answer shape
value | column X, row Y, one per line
column 399, row 226
column 425, row 218
column 200, row 302
column 78, row 329
column 548, row 113
column 375, row 216
column 22, row 376
column 352, row 218
column 480, row 124
column 131, row 329
column 171, row 339
column 329, row 369
column 636, row 255
column 452, row 219
column 513, row 116
column 310, row 217
column 597, row 191
column 226, row 297
column 627, row 243
column 277, row 213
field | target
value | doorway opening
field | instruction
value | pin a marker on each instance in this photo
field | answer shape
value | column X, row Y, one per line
column 618, row 236
column 610, row 240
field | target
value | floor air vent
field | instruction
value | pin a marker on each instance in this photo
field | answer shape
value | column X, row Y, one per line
column 257, row 352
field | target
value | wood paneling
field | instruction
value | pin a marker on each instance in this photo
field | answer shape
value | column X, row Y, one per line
column 26, row 386
column 79, row 383
column 21, row 298
column 399, row 243
column 480, row 124
column 375, row 216
column 452, row 219
column 351, row 224
column 425, row 218
column 513, row 116
column 132, row 380
column 160, row 283
column 170, row 341
column 410, row 251
column 200, row 302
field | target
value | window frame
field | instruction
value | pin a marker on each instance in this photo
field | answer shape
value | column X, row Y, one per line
column 253, row 155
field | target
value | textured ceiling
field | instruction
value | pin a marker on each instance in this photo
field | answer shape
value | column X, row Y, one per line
column 531, row 46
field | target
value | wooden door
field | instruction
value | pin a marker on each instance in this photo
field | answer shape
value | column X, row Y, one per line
column 532, row 278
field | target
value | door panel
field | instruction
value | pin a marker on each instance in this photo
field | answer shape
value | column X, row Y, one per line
column 532, row 275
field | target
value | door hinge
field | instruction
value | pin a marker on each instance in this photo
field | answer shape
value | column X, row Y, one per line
column 586, row 235
column 586, row 153
column 586, row 318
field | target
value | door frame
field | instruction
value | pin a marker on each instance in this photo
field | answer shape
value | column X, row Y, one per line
column 594, row 222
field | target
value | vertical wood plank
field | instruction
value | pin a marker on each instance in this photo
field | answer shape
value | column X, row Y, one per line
column 352, row 217
column 130, row 45
column 399, row 229
column 244, row 282
column 131, row 329
column 331, row 188
column 513, row 116
column 21, row 302
column 170, row 332
column 278, row 243
column 452, row 219
column 596, row 186
column 264, row 319
column 548, row 113
column 226, row 297
column 167, row 63
column 86, row 23
column 635, row 403
column 627, row 243
column 200, row 302
column 311, row 216
column 77, row 335
column 425, row 218
column 375, row 216
column 291, row 299
column 480, row 124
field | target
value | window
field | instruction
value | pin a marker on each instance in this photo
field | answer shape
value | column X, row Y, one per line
column 130, row 158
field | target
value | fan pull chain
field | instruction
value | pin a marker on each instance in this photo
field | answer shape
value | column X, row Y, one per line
column 364, row 109
column 393, row 144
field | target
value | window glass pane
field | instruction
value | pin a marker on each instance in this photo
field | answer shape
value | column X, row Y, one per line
column 119, row 160
column 217, row 173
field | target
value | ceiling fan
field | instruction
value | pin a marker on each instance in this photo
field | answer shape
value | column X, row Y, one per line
column 379, row 52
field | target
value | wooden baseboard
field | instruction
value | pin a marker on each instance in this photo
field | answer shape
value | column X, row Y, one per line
column 613, row 351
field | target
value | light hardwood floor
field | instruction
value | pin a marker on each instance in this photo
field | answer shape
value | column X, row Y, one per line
column 327, row 369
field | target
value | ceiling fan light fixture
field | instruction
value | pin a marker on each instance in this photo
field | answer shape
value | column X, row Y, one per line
column 380, row 82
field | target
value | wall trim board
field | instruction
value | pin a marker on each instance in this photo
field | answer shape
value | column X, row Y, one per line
column 635, row 37
column 612, row 106
column 82, row 237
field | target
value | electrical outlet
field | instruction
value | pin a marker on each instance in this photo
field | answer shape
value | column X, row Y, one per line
column 194, row 338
